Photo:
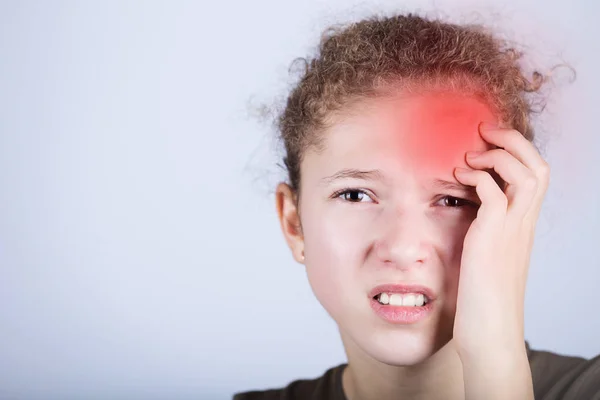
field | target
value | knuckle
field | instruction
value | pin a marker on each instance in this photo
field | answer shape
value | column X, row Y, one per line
column 530, row 183
column 500, row 153
column 544, row 170
column 513, row 135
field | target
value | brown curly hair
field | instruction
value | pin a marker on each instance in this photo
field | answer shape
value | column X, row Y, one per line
column 378, row 55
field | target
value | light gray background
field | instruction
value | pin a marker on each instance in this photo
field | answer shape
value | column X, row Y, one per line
column 140, row 253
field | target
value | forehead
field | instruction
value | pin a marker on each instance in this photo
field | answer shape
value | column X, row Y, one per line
column 427, row 132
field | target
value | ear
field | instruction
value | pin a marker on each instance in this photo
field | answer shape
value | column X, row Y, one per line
column 289, row 219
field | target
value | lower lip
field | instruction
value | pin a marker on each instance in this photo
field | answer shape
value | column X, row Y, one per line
column 400, row 314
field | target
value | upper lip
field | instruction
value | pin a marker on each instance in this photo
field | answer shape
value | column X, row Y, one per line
column 402, row 288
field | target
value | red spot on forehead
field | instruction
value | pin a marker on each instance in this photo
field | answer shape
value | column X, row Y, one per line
column 441, row 128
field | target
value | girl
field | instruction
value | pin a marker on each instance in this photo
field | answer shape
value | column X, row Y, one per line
column 413, row 194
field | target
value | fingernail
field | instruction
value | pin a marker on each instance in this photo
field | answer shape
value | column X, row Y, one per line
column 473, row 154
column 460, row 170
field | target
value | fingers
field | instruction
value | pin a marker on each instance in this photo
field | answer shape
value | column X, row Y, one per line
column 521, row 182
column 524, row 151
column 494, row 202
column 516, row 144
column 518, row 163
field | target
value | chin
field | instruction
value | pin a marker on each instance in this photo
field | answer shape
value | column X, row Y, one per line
column 402, row 345
column 403, row 357
column 402, row 348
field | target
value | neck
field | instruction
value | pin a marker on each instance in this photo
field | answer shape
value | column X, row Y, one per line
column 438, row 377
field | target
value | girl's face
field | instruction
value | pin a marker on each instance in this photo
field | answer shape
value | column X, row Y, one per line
column 402, row 219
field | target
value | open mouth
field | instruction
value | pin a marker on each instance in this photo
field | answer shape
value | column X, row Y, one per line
column 402, row 299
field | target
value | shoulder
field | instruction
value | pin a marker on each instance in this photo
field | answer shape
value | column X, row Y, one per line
column 564, row 377
column 326, row 386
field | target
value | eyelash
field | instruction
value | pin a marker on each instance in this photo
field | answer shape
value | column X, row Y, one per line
column 465, row 202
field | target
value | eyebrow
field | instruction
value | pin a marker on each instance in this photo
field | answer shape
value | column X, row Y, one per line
column 444, row 184
column 354, row 174
column 449, row 185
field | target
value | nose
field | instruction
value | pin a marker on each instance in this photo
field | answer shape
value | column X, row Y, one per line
column 404, row 241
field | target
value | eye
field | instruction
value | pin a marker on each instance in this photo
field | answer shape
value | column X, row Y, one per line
column 457, row 202
column 353, row 196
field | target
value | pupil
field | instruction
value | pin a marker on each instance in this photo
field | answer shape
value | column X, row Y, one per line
column 354, row 196
column 452, row 201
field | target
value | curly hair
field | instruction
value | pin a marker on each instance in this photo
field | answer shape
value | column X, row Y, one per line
column 377, row 55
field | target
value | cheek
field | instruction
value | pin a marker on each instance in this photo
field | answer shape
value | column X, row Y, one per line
column 335, row 249
column 334, row 235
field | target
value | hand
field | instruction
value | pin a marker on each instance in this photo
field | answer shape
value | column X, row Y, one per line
column 488, row 325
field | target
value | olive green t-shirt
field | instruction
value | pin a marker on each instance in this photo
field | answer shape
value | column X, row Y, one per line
column 555, row 377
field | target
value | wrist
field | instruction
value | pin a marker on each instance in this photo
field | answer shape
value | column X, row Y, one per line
column 501, row 375
column 495, row 345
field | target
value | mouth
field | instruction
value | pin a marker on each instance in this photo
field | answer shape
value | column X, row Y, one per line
column 404, row 300
column 402, row 304
column 402, row 295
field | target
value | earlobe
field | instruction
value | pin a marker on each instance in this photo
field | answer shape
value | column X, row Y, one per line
column 289, row 220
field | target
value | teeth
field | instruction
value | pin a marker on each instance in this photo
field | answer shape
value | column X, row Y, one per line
column 405, row 300
column 409, row 300
column 420, row 300
column 384, row 298
column 396, row 300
